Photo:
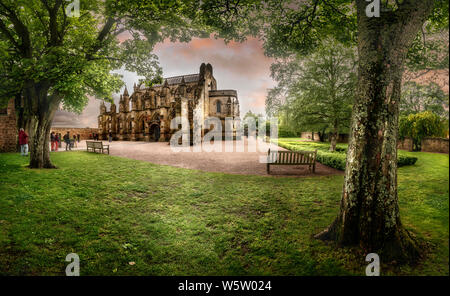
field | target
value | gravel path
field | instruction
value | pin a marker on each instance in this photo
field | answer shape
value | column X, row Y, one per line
column 243, row 163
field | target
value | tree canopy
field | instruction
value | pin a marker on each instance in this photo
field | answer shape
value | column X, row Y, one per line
column 418, row 126
column 315, row 92
column 418, row 97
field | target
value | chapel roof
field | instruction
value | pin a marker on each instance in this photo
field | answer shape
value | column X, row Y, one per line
column 177, row 79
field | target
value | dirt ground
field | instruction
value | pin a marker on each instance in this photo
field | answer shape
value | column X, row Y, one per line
column 243, row 163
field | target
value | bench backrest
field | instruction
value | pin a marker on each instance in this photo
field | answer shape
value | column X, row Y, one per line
column 98, row 144
column 291, row 157
column 94, row 144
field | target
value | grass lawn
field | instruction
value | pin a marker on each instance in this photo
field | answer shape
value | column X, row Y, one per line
column 171, row 221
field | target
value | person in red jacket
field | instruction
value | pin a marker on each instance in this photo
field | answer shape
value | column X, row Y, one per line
column 56, row 141
column 23, row 142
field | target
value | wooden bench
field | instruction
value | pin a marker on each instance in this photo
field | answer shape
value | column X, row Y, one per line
column 96, row 145
column 292, row 158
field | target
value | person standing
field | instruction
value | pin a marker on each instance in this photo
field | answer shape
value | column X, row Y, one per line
column 78, row 138
column 57, row 140
column 23, row 142
column 52, row 141
column 75, row 141
column 110, row 137
column 67, row 140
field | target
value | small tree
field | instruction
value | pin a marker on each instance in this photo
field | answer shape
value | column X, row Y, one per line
column 419, row 126
column 319, row 88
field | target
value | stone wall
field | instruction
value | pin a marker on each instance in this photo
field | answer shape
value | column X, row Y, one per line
column 435, row 145
column 84, row 132
column 309, row 135
column 8, row 128
column 405, row 144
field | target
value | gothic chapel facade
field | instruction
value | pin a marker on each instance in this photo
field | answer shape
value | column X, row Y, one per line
column 152, row 109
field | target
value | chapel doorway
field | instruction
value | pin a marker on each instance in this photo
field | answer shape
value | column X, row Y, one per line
column 155, row 133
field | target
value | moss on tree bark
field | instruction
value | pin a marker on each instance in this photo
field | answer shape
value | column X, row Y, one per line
column 369, row 214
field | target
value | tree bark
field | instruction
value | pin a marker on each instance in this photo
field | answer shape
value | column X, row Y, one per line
column 39, row 108
column 369, row 214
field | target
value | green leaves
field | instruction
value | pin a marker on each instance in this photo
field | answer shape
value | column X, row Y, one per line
column 421, row 125
column 417, row 97
column 315, row 92
column 300, row 26
column 75, row 56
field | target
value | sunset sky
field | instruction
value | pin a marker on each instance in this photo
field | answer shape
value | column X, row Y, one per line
column 239, row 66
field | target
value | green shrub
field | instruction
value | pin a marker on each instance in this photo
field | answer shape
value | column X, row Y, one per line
column 403, row 160
column 418, row 126
column 335, row 159
column 285, row 132
column 332, row 159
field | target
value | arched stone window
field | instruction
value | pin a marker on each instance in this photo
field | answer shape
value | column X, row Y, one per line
column 218, row 107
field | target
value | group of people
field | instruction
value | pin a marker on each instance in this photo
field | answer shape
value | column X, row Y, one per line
column 70, row 142
column 94, row 136
column 55, row 140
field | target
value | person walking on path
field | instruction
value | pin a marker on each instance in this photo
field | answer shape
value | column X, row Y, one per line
column 67, row 141
column 52, row 141
column 75, row 141
column 23, row 142
column 110, row 137
column 78, row 138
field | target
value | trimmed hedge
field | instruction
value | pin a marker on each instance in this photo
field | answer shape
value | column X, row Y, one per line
column 403, row 160
column 335, row 159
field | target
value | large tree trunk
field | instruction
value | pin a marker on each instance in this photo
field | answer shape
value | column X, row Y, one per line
column 39, row 111
column 369, row 214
